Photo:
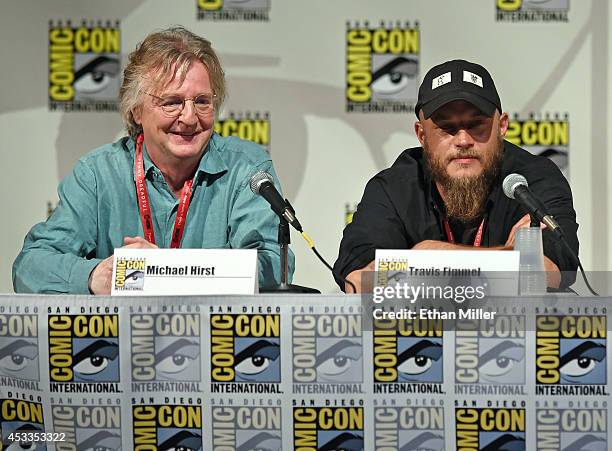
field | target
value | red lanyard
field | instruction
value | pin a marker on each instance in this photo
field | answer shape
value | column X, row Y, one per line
column 451, row 238
column 145, row 207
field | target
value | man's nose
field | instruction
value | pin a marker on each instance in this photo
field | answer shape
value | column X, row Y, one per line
column 463, row 139
column 188, row 115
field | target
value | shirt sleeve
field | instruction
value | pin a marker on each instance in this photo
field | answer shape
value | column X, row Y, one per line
column 376, row 225
column 253, row 225
column 554, row 191
column 53, row 257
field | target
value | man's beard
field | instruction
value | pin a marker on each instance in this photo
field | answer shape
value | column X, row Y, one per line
column 465, row 196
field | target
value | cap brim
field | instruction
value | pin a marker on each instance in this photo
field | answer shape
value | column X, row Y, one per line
column 481, row 103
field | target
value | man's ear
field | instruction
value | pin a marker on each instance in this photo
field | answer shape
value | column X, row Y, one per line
column 137, row 114
column 503, row 124
column 419, row 131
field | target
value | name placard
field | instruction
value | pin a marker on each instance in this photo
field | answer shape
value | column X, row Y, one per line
column 152, row 272
column 495, row 271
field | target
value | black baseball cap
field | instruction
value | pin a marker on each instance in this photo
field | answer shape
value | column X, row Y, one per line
column 457, row 80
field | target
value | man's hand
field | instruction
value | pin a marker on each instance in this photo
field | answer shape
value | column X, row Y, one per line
column 438, row 245
column 356, row 278
column 100, row 279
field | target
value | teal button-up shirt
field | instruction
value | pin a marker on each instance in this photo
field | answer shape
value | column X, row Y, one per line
column 97, row 208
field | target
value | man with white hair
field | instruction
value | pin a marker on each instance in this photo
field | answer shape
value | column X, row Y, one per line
column 172, row 182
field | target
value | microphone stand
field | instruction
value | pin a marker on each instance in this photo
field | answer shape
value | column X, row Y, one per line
column 284, row 239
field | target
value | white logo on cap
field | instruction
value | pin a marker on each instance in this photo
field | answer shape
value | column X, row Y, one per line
column 472, row 78
column 441, row 80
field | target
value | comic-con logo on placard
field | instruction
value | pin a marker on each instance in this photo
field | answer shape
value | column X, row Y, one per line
column 318, row 428
column 408, row 355
column 130, row 274
column 234, row 10
column 545, row 135
column 245, row 353
column 19, row 363
column 382, row 67
column 84, row 353
column 411, row 427
column 84, row 66
column 479, row 429
column 532, row 10
column 165, row 350
column 490, row 356
column 253, row 127
column 571, row 355
column 95, row 426
column 167, row 426
column 571, row 427
column 247, row 428
column 327, row 351
column 17, row 419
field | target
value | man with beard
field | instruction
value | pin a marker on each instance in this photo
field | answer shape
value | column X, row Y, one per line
column 448, row 193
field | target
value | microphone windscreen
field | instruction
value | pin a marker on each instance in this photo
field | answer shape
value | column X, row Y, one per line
column 259, row 178
column 511, row 182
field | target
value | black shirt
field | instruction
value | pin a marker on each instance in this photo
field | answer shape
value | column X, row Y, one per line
column 398, row 211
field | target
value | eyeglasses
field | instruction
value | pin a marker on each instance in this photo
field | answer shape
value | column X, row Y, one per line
column 173, row 106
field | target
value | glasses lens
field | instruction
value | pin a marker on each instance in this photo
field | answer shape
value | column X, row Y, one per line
column 171, row 105
column 203, row 103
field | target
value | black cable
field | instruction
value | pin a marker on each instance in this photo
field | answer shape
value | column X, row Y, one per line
column 577, row 260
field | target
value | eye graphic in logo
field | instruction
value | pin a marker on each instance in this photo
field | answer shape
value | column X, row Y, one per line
column 181, row 440
column 545, row 4
column 177, row 359
column 582, row 361
column 20, row 427
column 134, row 279
column 340, row 440
column 421, row 440
column 101, row 441
column 95, row 360
column 256, row 359
column 419, row 360
column 395, row 79
column 495, row 441
column 260, row 441
column 250, row 4
column 96, row 76
column 339, row 360
column 588, row 442
column 19, row 358
column 501, row 361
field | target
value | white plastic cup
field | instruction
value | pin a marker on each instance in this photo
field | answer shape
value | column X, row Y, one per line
column 532, row 277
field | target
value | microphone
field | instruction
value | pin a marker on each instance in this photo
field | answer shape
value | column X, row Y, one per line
column 516, row 187
column 263, row 184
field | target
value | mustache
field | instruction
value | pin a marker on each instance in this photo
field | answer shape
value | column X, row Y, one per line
column 463, row 154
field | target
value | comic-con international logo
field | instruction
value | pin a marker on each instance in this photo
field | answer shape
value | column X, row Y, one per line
column 571, row 355
column 245, row 353
column 165, row 351
column 84, row 66
column 408, row 355
column 19, row 363
column 20, row 417
column 480, row 429
column 246, row 428
column 327, row 428
column 382, row 66
column 327, row 352
column 234, row 10
column 84, row 353
column 167, row 426
column 408, row 427
column 253, row 127
column 87, row 427
column 571, row 428
column 532, row 10
column 130, row 274
column 490, row 356
column 545, row 135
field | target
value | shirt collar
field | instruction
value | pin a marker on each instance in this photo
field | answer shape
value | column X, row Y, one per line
column 210, row 163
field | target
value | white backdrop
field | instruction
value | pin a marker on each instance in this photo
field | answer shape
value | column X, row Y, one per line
column 293, row 67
